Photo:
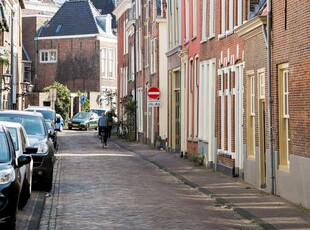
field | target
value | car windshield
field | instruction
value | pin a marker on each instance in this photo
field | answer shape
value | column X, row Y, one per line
column 32, row 124
column 48, row 115
column 98, row 111
column 4, row 149
column 81, row 116
column 13, row 132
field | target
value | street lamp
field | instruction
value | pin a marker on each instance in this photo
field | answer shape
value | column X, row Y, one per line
column 4, row 86
column 27, row 88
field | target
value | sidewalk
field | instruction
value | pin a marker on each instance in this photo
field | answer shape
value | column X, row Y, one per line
column 268, row 211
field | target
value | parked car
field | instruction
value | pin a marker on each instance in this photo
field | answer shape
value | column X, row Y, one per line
column 47, row 112
column 14, row 185
column 84, row 120
column 52, row 132
column 59, row 122
column 36, row 129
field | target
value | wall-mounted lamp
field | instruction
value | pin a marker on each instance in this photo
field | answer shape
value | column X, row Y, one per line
column 26, row 87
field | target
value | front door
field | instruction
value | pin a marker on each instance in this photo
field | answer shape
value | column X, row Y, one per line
column 177, row 120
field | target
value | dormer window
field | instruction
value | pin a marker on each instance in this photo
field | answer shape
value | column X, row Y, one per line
column 58, row 29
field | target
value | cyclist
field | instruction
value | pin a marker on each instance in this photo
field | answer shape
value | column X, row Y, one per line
column 103, row 125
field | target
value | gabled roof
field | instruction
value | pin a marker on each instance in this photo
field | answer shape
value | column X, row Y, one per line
column 75, row 17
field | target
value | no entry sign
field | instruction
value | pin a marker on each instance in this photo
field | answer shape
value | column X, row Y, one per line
column 153, row 93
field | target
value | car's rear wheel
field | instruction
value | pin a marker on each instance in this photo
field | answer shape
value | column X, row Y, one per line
column 25, row 194
column 61, row 128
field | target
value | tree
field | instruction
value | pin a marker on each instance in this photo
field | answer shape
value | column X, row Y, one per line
column 129, row 110
column 62, row 104
column 110, row 101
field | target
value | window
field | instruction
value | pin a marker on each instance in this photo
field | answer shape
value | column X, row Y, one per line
column 187, row 20
column 208, row 19
column 112, row 63
column 211, row 19
column 231, row 16
column 223, row 18
column 240, row 13
column 104, row 63
column 125, row 37
column 204, row 20
column 285, row 94
column 194, row 18
column 252, row 95
column 153, row 55
column 262, row 85
column 250, row 141
column 140, row 50
column 132, row 64
column 58, row 29
column 284, row 116
column 48, row 56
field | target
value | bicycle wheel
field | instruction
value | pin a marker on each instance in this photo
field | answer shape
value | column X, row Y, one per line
column 102, row 140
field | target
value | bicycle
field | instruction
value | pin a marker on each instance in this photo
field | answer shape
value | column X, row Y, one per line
column 122, row 131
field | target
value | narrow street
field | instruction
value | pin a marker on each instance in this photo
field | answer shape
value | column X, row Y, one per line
column 113, row 188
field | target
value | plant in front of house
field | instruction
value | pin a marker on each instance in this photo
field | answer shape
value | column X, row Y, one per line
column 198, row 159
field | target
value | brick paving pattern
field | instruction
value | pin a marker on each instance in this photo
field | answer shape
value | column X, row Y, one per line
column 114, row 188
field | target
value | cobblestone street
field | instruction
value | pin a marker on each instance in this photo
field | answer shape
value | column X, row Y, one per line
column 113, row 188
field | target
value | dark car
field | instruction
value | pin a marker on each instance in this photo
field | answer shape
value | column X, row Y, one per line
column 37, row 132
column 52, row 132
column 84, row 120
column 11, row 179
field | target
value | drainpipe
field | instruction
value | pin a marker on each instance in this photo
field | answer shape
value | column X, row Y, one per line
column 270, row 102
column 135, row 75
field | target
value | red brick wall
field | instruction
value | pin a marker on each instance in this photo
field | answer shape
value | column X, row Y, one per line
column 291, row 45
column 78, row 64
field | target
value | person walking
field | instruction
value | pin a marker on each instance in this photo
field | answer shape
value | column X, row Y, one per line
column 110, row 124
column 103, row 125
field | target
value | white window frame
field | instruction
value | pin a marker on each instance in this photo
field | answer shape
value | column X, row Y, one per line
column 252, row 94
column 240, row 13
column 261, row 85
column 194, row 18
column 211, row 19
column 286, row 94
column 125, row 37
column 223, row 19
column 49, row 56
column 187, row 20
column 231, row 17
column 140, row 50
column 153, row 56
column 132, row 63
column 104, row 63
column 112, row 63
column 204, row 21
